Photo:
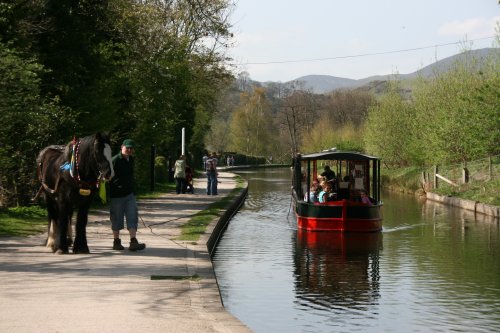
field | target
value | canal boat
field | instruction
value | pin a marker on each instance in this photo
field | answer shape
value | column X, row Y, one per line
column 345, row 210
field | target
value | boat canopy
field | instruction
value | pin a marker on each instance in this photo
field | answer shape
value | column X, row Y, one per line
column 364, row 171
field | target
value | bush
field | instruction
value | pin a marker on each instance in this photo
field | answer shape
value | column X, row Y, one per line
column 161, row 169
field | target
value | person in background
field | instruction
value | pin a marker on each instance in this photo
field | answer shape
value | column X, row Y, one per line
column 189, row 180
column 122, row 193
column 180, row 175
column 211, row 170
column 204, row 161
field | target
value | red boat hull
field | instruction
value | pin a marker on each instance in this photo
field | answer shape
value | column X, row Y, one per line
column 341, row 215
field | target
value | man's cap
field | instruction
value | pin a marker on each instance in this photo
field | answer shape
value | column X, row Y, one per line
column 129, row 143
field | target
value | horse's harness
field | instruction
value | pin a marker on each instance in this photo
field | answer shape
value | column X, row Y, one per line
column 85, row 187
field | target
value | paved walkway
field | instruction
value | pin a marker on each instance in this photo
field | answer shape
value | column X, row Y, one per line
column 113, row 291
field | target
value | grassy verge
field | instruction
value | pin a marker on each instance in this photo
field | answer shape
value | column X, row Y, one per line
column 23, row 221
column 408, row 180
column 160, row 189
column 487, row 192
column 196, row 226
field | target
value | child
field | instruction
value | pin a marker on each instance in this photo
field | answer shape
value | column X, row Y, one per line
column 313, row 192
column 364, row 198
column 326, row 194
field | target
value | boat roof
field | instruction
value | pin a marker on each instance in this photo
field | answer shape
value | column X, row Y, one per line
column 337, row 155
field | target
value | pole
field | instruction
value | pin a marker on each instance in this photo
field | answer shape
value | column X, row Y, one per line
column 183, row 140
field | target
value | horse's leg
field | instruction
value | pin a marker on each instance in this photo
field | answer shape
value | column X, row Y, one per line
column 80, row 245
column 70, row 231
column 50, row 235
column 61, row 244
column 61, row 232
column 49, row 242
column 52, row 224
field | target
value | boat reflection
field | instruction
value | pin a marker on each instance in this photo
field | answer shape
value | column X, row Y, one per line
column 335, row 269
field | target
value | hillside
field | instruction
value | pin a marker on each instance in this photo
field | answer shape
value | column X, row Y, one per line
column 326, row 83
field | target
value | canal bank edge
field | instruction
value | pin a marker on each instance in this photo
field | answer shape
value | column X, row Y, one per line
column 216, row 229
column 474, row 206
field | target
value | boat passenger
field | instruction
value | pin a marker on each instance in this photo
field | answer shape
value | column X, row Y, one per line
column 313, row 192
column 345, row 183
column 326, row 194
column 344, row 188
column 364, row 198
column 328, row 174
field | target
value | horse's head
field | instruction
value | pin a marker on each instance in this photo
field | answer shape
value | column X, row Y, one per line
column 102, row 155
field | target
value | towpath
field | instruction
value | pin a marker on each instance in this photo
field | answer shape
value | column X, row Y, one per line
column 168, row 287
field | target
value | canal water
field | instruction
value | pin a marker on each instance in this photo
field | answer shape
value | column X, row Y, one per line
column 432, row 269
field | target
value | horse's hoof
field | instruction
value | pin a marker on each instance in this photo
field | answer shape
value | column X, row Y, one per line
column 59, row 251
column 81, row 251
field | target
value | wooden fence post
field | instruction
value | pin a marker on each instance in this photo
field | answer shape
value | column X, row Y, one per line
column 490, row 168
column 465, row 174
column 436, row 169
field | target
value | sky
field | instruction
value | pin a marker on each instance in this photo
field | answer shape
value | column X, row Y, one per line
column 282, row 40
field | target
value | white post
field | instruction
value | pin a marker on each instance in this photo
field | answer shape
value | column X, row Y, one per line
column 183, row 141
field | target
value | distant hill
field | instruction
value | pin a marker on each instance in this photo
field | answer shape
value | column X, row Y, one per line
column 326, row 83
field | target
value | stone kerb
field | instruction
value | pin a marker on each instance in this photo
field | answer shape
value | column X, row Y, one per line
column 475, row 206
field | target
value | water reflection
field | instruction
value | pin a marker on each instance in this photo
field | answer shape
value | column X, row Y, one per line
column 433, row 268
column 337, row 269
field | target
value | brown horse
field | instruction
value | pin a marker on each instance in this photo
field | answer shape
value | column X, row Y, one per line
column 70, row 177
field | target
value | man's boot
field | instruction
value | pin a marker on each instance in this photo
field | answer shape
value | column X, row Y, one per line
column 117, row 244
column 135, row 245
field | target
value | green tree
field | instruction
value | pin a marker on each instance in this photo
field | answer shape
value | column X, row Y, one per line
column 348, row 107
column 388, row 130
column 324, row 136
column 338, row 121
column 251, row 130
column 29, row 122
column 138, row 69
column 176, row 71
column 452, row 117
column 458, row 113
column 297, row 114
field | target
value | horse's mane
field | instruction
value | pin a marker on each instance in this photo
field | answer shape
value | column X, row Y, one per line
column 87, row 147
